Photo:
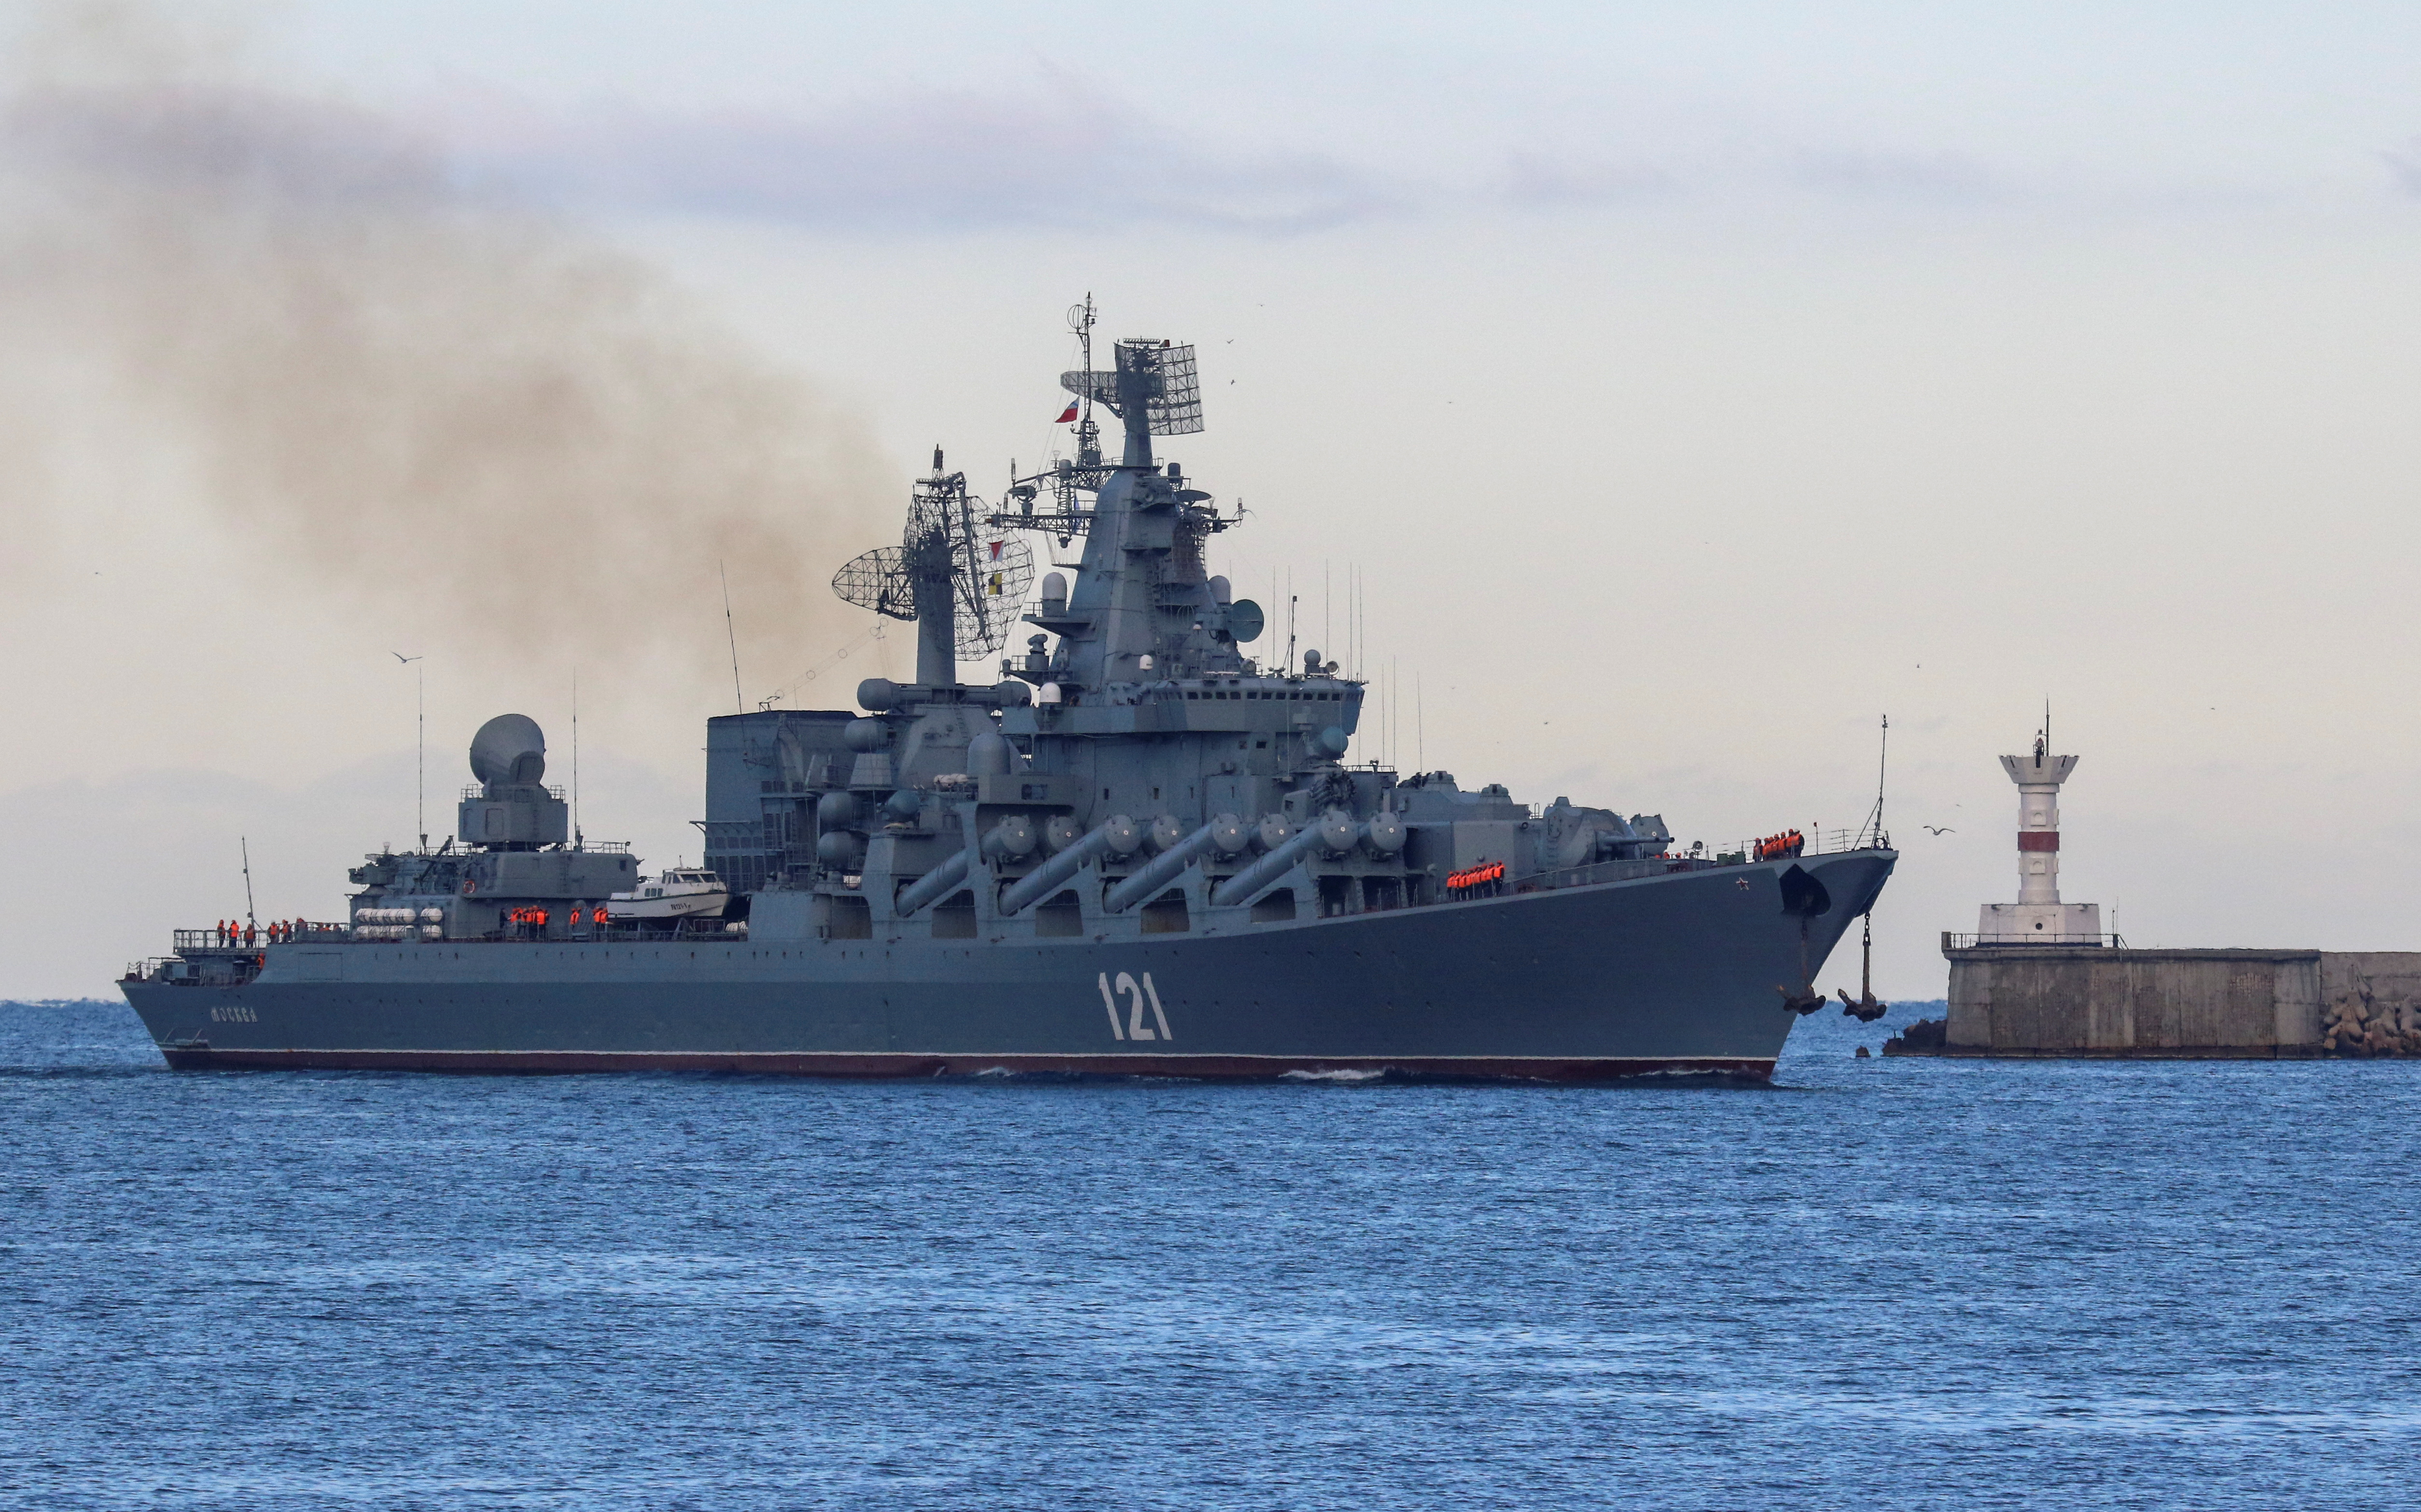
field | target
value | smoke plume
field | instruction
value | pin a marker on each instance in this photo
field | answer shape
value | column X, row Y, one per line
column 412, row 399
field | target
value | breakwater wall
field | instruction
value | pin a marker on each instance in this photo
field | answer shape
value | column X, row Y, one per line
column 2084, row 1001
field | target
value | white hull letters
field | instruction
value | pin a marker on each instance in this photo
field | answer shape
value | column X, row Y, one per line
column 1133, row 1027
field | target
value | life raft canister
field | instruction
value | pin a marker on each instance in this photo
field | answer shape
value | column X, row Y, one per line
column 470, row 885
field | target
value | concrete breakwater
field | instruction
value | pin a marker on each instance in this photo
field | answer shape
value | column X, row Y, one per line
column 2099, row 1001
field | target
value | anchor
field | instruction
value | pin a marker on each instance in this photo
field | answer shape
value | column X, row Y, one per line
column 1865, row 1008
column 1807, row 1000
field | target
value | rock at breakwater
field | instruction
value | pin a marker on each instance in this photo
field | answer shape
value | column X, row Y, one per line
column 2361, row 1021
column 1926, row 1034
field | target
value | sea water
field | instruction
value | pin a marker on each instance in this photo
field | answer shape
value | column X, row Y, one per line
column 1878, row 1283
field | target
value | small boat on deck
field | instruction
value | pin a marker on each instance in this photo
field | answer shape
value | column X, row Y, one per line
column 672, row 896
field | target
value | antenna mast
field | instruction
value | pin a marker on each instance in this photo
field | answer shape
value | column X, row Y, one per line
column 738, row 704
column 1882, row 764
column 420, row 710
column 576, row 761
column 248, row 918
column 420, row 744
column 1088, row 434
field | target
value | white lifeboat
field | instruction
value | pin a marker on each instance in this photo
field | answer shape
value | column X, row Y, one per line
column 674, row 896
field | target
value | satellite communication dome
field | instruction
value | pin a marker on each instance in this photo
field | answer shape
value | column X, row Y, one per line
column 509, row 749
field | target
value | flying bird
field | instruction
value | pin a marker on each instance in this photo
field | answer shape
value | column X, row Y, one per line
column 1941, row 829
column 407, row 661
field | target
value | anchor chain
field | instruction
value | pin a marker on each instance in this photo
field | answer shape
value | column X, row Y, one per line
column 1807, row 1000
column 1864, row 1007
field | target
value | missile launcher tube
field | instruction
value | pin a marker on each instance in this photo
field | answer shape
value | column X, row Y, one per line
column 1259, row 877
column 934, row 884
column 1164, row 869
column 1048, row 877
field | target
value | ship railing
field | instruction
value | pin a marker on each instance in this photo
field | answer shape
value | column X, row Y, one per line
column 694, row 931
column 681, row 929
column 1608, row 871
column 304, row 932
column 1621, row 872
column 1972, row 941
column 232, row 968
column 1819, row 843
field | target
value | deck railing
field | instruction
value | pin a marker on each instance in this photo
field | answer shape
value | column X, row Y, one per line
column 1972, row 941
column 306, row 933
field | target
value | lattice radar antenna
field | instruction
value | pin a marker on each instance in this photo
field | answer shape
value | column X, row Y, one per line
column 1164, row 375
column 948, row 556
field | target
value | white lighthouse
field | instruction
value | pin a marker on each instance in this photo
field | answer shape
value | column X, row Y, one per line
column 2038, row 917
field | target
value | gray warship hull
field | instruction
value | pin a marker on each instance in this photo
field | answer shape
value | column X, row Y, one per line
column 1685, row 972
column 1141, row 851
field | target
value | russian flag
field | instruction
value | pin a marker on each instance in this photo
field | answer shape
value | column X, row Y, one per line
column 1067, row 414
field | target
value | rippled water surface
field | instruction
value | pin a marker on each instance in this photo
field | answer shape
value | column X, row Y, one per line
column 1884, row 1283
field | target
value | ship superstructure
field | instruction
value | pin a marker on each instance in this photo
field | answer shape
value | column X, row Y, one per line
column 1141, row 849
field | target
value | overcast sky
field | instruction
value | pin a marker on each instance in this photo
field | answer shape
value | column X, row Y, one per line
column 1690, row 385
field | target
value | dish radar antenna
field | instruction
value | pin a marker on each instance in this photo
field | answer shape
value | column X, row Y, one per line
column 959, row 578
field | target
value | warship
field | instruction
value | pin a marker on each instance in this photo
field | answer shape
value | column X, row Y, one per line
column 1143, row 850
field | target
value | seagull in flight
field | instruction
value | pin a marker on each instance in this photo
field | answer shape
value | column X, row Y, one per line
column 407, row 661
column 1940, row 829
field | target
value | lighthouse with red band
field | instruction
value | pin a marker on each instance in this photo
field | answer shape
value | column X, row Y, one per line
column 2038, row 917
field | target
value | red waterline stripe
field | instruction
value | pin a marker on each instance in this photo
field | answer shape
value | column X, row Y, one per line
column 1209, row 1068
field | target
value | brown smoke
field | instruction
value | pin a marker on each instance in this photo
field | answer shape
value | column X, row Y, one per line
column 432, row 407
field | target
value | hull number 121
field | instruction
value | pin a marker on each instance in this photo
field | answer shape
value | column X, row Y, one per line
column 1134, row 1026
